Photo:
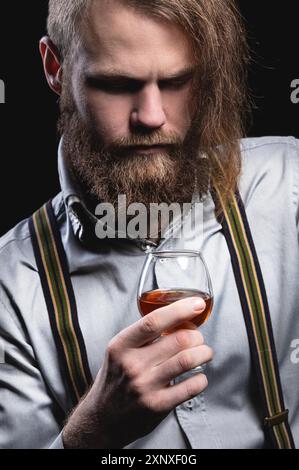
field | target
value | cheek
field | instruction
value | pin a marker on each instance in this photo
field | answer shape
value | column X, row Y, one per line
column 109, row 115
column 178, row 111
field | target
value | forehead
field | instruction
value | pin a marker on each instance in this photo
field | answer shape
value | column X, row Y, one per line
column 118, row 37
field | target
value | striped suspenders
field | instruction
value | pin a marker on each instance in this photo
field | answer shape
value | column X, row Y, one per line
column 59, row 296
column 57, row 287
column 256, row 313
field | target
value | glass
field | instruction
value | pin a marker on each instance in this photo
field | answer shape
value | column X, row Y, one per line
column 169, row 276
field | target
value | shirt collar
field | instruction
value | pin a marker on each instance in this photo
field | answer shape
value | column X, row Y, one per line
column 82, row 219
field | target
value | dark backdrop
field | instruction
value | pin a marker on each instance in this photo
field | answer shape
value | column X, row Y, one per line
column 28, row 139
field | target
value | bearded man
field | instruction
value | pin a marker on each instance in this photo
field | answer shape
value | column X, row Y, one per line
column 152, row 98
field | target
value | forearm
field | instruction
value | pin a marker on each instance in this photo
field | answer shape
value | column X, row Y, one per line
column 85, row 429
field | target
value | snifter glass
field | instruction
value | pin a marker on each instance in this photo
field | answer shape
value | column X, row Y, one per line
column 169, row 276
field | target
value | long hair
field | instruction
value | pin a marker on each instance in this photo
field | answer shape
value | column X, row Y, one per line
column 218, row 38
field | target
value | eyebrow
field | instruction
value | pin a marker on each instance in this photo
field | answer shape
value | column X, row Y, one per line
column 118, row 75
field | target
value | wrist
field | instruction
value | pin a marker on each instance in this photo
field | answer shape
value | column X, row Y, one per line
column 83, row 429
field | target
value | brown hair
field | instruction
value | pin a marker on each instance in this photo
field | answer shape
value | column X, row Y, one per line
column 220, row 50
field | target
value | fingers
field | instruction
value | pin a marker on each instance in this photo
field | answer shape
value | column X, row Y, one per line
column 168, row 346
column 150, row 327
column 168, row 398
column 184, row 391
column 181, row 363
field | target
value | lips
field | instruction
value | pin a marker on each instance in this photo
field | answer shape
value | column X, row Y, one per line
column 148, row 148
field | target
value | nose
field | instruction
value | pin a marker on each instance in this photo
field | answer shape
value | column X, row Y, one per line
column 148, row 109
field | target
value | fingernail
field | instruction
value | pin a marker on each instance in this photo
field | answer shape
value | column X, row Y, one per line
column 198, row 305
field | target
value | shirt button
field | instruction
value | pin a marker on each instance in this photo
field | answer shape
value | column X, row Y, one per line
column 189, row 404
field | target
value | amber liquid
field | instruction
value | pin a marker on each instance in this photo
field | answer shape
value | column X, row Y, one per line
column 154, row 299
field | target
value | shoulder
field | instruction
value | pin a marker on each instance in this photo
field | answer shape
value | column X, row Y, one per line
column 272, row 151
column 269, row 154
column 255, row 143
column 270, row 165
column 19, row 281
column 15, row 245
column 18, row 272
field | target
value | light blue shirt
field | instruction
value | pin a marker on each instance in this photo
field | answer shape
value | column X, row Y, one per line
column 33, row 399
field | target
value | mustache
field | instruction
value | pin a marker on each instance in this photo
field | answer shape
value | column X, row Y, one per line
column 150, row 140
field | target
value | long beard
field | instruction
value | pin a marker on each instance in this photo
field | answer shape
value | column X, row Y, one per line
column 105, row 172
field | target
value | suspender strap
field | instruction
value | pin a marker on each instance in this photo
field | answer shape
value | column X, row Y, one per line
column 254, row 303
column 59, row 295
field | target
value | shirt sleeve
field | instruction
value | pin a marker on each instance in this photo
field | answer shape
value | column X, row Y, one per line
column 58, row 443
column 30, row 418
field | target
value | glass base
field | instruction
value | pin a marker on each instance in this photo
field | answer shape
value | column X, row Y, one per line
column 189, row 373
column 197, row 370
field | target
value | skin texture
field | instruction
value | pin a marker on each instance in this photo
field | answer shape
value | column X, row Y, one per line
column 132, row 393
column 133, row 384
column 115, row 43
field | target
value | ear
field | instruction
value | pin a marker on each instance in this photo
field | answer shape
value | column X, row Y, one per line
column 51, row 63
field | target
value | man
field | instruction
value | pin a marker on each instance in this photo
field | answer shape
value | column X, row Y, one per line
column 151, row 96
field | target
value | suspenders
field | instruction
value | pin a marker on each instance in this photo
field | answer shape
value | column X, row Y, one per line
column 59, row 295
column 257, row 318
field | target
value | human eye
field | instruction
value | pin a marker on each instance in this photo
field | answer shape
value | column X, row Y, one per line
column 114, row 86
column 174, row 83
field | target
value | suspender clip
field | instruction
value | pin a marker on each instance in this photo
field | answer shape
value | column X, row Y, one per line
column 276, row 419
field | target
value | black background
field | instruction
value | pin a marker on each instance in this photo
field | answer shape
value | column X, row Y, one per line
column 28, row 139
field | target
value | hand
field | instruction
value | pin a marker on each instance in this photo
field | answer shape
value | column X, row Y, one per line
column 132, row 393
